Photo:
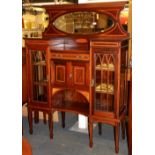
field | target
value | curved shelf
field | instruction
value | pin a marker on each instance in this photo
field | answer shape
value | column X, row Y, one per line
column 69, row 100
column 70, row 106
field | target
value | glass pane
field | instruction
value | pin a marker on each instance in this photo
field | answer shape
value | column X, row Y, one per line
column 104, row 82
column 38, row 57
column 40, row 93
column 39, row 75
column 104, row 102
column 38, row 66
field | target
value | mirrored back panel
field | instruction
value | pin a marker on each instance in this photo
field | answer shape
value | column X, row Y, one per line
column 83, row 22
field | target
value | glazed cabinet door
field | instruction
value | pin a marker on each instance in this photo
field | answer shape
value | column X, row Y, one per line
column 38, row 76
column 105, row 78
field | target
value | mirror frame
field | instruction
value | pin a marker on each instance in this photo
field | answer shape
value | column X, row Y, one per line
column 111, row 9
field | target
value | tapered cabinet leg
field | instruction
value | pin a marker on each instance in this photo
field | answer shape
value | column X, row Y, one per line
column 116, row 137
column 100, row 128
column 36, row 116
column 63, row 119
column 129, row 136
column 129, row 122
column 90, row 134
column 123, row 129
column 51, row 124
column 88, row 128
column 30, row 120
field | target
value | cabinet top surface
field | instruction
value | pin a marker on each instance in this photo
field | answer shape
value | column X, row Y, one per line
column 92, row 4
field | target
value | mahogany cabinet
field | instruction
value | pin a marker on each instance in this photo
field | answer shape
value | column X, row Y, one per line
column 80, row 66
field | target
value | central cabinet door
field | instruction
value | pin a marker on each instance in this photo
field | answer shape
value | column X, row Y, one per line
column 70, row 74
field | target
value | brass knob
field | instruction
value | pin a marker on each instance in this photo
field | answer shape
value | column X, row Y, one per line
column 70, row 75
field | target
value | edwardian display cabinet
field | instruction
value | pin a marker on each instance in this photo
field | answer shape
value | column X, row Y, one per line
column 80, row 65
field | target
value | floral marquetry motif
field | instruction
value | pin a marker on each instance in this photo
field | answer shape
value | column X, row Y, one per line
column 60, row 73
column 79, row 75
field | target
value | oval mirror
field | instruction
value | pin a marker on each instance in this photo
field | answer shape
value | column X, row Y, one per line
column 83, row 22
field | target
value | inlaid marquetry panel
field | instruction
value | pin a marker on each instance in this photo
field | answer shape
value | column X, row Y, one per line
column 60, row 73
column 79, row 75
column 66, row 56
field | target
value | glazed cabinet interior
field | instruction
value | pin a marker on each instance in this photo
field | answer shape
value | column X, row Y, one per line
column 38, row 74
column 80, row 66
column 109, row 77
